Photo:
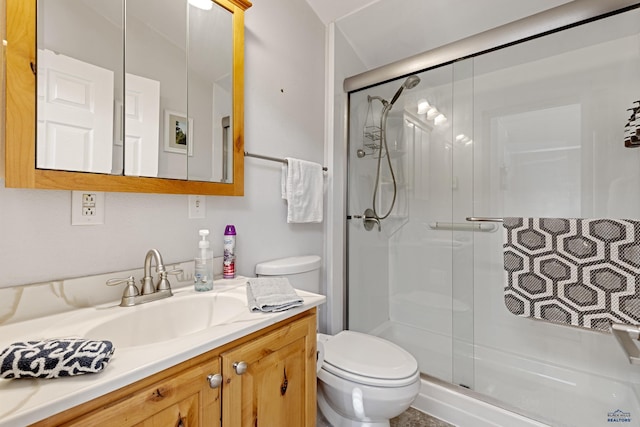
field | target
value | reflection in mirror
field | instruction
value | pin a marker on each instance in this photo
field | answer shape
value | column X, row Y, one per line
column 210, row 90
column 156, row 89
column 80, row 68
column 227, row 149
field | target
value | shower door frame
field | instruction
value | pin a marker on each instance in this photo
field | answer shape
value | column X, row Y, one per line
column 539, row 25
column 550, row 21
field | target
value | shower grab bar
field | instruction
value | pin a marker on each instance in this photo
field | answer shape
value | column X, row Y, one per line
column 273, row 159
column 483, row 219
column 461, row 226
column 625, row 334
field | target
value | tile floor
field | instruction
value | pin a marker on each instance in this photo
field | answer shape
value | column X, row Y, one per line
column 414, row 418
column 410, row 418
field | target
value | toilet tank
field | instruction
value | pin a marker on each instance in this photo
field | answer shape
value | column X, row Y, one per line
column 303, row 272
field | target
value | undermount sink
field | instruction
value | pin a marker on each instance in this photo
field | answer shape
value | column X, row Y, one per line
column 165, row 320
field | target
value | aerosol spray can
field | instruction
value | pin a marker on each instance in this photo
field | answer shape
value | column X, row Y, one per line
column 229, row 260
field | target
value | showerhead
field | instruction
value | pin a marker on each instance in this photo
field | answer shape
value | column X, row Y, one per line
column 409, row 83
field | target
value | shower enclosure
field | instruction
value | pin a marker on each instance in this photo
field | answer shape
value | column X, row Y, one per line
column 535, row 129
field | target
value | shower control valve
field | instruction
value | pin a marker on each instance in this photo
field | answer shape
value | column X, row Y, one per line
column 368, row 219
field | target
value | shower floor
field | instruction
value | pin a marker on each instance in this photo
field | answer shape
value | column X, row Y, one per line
column 550, row 394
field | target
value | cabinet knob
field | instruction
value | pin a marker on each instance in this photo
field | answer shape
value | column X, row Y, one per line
column 240, row 367
column 215, row 380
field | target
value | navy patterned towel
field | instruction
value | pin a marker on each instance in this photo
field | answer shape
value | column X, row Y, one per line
column 581, row 272
column 54, row 358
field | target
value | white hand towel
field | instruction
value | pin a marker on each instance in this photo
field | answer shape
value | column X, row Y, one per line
column 283, row 182
column 304, row 189
column 271, row 294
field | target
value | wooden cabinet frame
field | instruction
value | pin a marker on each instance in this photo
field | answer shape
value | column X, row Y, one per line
column 20, row 118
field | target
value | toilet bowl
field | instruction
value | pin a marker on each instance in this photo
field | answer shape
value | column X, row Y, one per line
column 363, row 380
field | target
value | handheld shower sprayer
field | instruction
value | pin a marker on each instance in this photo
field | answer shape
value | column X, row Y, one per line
column 411, row 82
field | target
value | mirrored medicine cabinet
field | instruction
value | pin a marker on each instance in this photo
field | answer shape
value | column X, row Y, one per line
column 125, row 95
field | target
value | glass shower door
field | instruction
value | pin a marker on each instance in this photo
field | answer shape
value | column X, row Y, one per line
column 411, row 280
column 549, row 120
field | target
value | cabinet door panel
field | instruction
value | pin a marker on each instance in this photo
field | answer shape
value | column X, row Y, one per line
column 182, row 414
column 278, row 387
column 185, row 398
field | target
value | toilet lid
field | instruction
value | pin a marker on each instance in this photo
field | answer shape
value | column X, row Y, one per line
column 375, row 359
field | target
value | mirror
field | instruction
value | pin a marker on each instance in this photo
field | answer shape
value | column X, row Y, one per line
column 171, row 122
column 210, row 90
column 156, row 59
column 80, row 74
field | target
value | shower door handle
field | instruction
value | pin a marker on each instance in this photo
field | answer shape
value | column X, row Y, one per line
column 625, row 335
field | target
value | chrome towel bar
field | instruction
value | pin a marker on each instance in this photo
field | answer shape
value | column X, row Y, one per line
column 272, row 159
column 461, row 226
column 626, row 334
column 483, row 219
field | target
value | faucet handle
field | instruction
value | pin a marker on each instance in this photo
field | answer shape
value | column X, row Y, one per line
column 129, row 292
column 163, row 283
column 175, row 271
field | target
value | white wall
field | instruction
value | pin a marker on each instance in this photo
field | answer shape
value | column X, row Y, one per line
column 284, row 110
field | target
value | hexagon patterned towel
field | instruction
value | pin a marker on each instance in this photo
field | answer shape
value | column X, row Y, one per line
column 581, row 272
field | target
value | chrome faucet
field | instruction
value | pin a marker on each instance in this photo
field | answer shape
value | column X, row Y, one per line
column 147, row 280
column 149, row 292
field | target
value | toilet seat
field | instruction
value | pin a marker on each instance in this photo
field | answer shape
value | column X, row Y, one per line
column 369, row 360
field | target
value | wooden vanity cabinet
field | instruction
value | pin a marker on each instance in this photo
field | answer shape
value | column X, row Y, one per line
column 277, row 389
column 271, row 381
column 178, row 396
column 182, row 399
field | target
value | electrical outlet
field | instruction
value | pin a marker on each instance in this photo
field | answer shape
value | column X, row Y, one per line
column 197, row 207
column 88, row 199
column 87, row 208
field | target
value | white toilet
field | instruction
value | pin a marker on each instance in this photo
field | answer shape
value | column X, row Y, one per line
column 363, row 380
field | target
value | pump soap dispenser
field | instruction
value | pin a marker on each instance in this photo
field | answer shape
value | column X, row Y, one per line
column 203, row 269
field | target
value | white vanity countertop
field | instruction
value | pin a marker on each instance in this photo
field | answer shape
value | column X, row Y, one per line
column 25, row 401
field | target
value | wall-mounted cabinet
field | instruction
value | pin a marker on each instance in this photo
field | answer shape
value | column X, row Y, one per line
column 136, row 96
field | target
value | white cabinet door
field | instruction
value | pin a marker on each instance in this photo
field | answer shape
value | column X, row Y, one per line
column 75, row 114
